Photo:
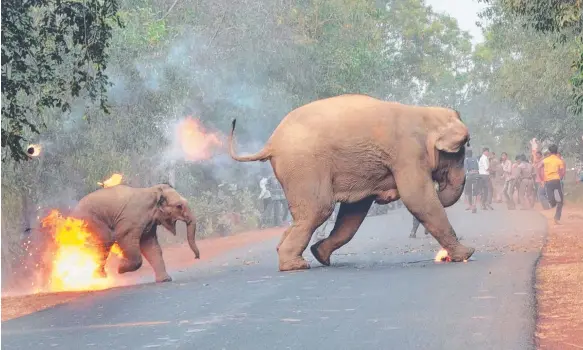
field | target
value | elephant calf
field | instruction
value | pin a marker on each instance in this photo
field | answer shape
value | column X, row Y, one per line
column 356, row 150
column 130, row 216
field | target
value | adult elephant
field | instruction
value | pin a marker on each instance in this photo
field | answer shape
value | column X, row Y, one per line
column 130, row 216
column 356, row 149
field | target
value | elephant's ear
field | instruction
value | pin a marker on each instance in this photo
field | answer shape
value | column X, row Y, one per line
column 161, row 199
column 448, row 137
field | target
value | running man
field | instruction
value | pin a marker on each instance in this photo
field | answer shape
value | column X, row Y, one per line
column 554, row 171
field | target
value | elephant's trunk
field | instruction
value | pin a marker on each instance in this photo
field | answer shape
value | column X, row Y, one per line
column 191, row 233
column 451, row 177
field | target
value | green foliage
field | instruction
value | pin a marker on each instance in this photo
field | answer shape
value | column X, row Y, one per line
column 521, row 78
column 557, row 16
column 50, row 50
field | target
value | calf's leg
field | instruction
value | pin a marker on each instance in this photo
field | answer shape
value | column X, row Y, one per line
column 152, row 251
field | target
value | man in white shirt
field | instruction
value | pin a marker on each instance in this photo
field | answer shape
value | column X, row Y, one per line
column 484, row 172
column 265, row 197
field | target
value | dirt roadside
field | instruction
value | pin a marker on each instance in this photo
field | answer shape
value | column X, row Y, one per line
column 559, row 283
column 177, row 257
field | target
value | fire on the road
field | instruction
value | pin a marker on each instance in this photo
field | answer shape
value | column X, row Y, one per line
column 196, row 143
column 442, row 256
column 74, row 255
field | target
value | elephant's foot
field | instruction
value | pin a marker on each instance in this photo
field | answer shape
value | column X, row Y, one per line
column 297, row 263
column 413, row 235
column 460, row 253
column 163, row 279
column 318, row 255
column 128, row 266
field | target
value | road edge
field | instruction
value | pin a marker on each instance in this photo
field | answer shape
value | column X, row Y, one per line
column 559, row 311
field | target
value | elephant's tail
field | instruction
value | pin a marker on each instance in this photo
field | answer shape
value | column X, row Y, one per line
column 262, row 155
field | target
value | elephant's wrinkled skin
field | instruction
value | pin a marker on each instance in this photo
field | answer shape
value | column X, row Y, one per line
column 130, row 216
column 356, row 149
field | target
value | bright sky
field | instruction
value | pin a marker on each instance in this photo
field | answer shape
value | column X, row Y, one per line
column 465, row 11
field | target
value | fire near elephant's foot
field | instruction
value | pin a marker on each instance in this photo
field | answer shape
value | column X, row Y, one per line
column 298, row 263
column 460, row 253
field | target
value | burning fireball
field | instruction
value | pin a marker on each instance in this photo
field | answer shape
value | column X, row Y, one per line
column 442, row 256
column 114, row 180
column 195, row 142
column 33, row 150
column 75, row 255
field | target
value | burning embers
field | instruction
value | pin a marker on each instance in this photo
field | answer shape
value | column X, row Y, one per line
column 195, row 142
column 114, row 180
column 442, row 256
column 74, row 255
column 33, row 150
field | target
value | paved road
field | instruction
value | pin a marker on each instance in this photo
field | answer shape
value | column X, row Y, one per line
column 383, row 291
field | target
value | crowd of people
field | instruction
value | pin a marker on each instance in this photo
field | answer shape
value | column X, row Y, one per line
column 537, row 178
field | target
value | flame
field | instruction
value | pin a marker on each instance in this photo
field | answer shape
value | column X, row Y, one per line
column 113, row 180
column 195, row 142
column 75, row 255
column 33, row 150
column 442, row 256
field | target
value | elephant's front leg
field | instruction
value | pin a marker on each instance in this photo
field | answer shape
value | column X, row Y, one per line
column 350, row 217
column 153, row 253
column 419, row 196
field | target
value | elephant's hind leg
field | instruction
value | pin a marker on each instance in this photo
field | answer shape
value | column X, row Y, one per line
column 153, row 253
column 307, row 217
column 130, row 247
column 350, row 217
column 104, row 250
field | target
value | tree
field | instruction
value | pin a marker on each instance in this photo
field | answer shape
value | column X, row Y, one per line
column 561, row 17
column 525, row 72
column 51, row 50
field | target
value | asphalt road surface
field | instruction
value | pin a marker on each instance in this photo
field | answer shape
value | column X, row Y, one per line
column 383, row 291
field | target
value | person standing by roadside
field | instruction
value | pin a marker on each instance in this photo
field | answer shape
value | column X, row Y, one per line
column 506, row 165
column 539, row 176
column 554, row 171
column 484, row 172
column 494, row 173
column 278, row 201
column 513, row 184
column 472, row 188
column 526, row 187
column 265, row 198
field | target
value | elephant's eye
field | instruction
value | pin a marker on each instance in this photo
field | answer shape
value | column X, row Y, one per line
column 179, row 206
